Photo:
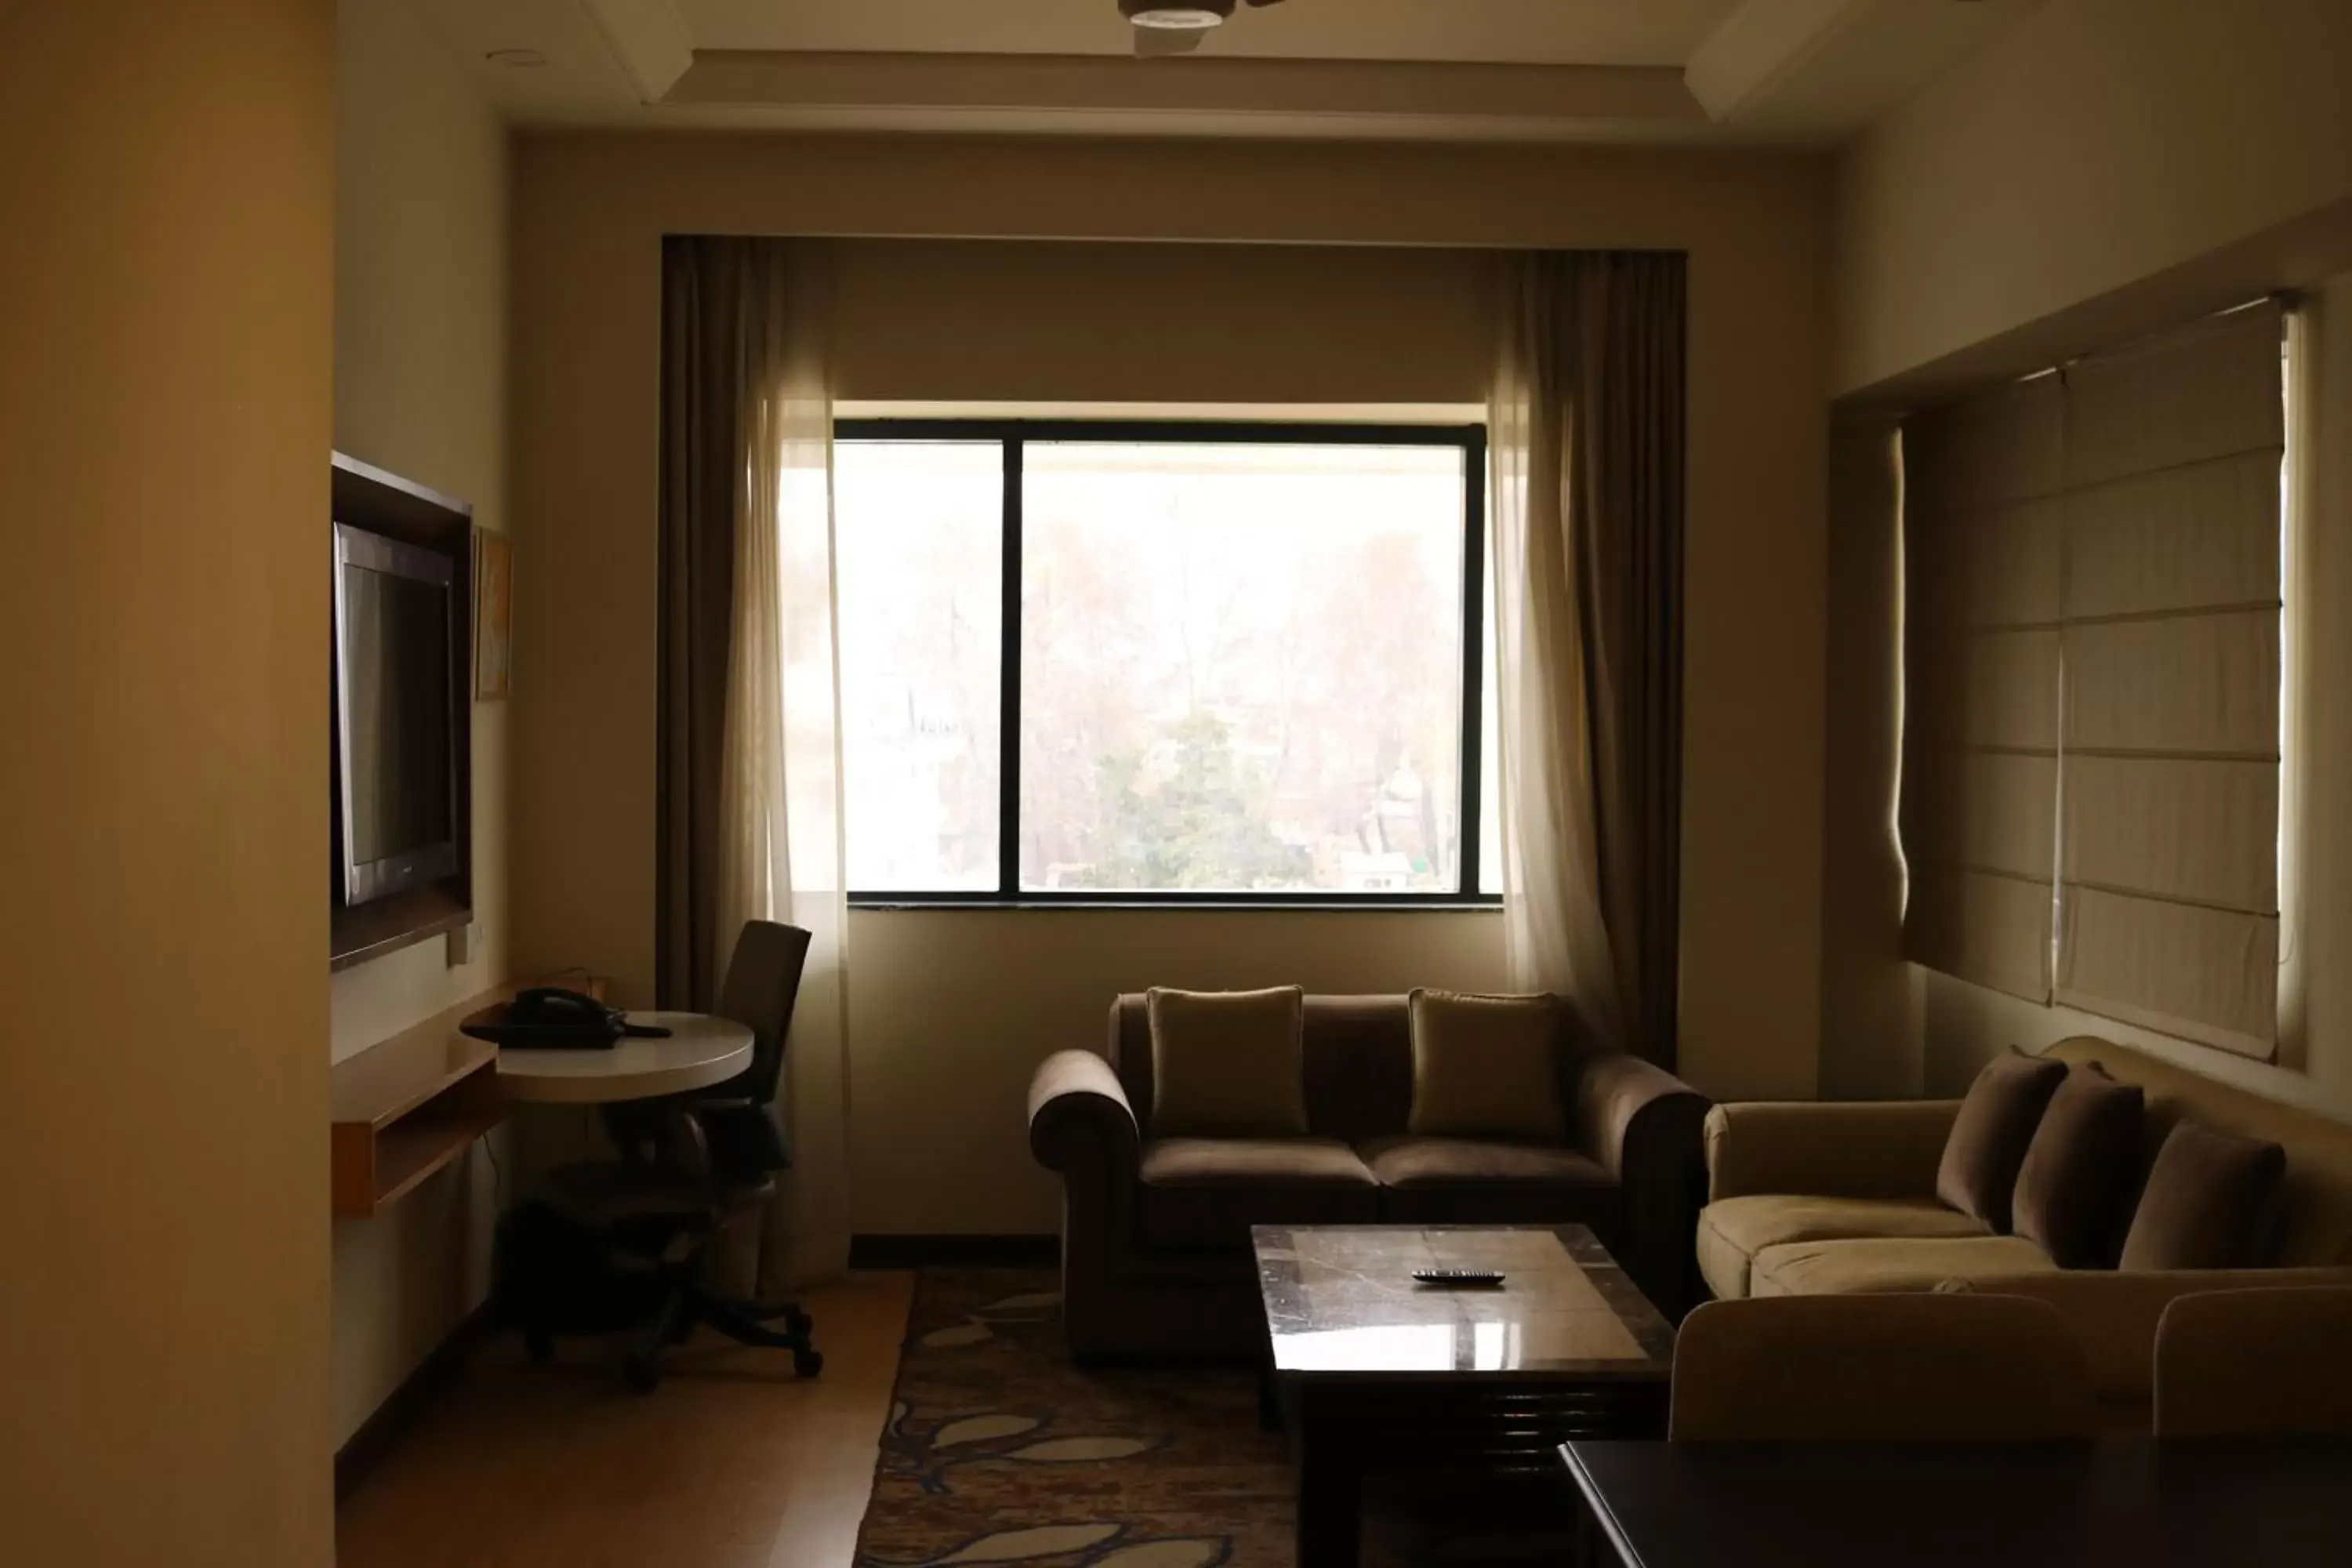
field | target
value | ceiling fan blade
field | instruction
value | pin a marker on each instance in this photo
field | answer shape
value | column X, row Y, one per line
column 1151, row 43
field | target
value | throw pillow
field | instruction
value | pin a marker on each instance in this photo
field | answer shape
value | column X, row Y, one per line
column 1485, row 1066
column 1989, row 1137
column 1228, row 1064
column 2081, row 1169
column 2212, row 1201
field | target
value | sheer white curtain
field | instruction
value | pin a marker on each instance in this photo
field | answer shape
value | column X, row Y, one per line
column 1557, row 937
column 781, row 849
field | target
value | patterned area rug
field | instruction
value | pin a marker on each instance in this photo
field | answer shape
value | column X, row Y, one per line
column 999, row 1451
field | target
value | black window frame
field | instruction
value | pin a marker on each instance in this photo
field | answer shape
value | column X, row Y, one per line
column 1014, row 435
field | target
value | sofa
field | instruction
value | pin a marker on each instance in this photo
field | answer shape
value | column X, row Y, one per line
column 1833, row 1198
column 1156, row 1259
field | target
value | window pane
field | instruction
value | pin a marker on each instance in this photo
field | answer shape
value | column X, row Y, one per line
column 919, row 541
column 1241, row 668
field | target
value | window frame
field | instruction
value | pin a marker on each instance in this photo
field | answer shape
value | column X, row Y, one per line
column 1013, row 436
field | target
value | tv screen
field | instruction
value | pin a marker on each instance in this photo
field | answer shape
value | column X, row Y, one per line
column 393, row 642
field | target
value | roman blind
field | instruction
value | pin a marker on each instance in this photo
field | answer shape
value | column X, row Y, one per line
column 2169, row 898
column 2091, row 743
column 1983, row 481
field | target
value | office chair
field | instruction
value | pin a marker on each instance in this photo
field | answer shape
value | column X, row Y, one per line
column 691, row 1164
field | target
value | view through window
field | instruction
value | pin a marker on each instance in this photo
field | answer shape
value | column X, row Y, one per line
column 1232, row 665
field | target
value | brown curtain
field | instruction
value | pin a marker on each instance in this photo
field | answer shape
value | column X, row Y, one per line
column 1588, row 444
column 708, row 285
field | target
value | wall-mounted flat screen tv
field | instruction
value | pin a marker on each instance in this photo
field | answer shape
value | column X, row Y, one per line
column 395, row 619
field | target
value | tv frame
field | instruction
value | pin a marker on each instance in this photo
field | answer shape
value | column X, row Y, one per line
column 362, row 881
column 384, row 505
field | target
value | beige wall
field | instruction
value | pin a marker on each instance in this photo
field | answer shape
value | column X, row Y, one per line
column 164, row 431
column 420, row 389
column 2100, row 142
column 2112, row 167
column 951, row 1011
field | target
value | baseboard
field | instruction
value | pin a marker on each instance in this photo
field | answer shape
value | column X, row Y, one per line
column 955, row 1252
column 431, row 1378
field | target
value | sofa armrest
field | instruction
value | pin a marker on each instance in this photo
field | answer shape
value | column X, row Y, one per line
column 1079, row 1118
column 1876, row 1149
column 2114, row 1314
column 1625, row 1104
column 1643, row 1125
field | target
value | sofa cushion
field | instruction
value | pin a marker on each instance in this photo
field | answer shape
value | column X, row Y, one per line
column 1208, row 1192
column 2074, row 1190
column 1228, row 1064
column 1486, row 1068
column 1991, row 1135
column 1471, row 1181
column 1890, row 1263
column 1732, row 1231
column 2212, row 1201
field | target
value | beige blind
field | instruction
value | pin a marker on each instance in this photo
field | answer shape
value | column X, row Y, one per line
column 1983, row 482
column 2168, row 832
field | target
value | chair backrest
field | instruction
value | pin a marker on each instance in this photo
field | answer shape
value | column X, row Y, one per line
column 764, row 981
column 1358, row 1063
column 1921, row 1368
column 2251, row 1363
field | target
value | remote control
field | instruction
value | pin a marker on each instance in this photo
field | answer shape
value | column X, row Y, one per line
column 1460, row 1279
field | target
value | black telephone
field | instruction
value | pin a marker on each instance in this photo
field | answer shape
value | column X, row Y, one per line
column 549, row 1017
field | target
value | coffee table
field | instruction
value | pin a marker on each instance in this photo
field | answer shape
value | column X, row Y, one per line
column 1369, row 1370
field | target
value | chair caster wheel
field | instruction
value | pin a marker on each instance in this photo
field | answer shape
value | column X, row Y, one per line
column 799, row 1322
column 540, row 1347
column 808, row 1362
column 642, row 1373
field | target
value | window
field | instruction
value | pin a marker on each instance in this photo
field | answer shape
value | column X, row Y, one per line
column 1097, row 662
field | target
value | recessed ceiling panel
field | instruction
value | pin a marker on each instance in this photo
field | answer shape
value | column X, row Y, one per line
column 1502, row 32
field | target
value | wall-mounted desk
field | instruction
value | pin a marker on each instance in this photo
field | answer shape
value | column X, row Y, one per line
column 407, row 1107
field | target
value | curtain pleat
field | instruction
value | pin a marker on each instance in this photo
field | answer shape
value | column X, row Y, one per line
column 1587, row 442
column 749, row 791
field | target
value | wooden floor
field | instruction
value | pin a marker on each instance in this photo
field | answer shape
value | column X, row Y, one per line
column 732, row 1463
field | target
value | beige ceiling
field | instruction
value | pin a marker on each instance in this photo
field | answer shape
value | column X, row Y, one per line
column 1810, row 72
column 1496, row 32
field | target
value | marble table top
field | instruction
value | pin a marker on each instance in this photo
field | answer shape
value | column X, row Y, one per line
column 1340, row 1300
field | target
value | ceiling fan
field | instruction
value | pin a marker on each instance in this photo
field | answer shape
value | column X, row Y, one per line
column 1176, row 26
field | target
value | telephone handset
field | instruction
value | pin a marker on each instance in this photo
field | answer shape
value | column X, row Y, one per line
column 553, row 1018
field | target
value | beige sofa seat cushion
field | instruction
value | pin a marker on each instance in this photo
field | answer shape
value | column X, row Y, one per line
column 1890, row 1263
column 1471, row 1181
column 1207, row 1192
column 1732, row 1231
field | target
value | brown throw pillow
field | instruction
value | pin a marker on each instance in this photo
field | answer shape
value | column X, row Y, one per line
column 1485, row 1066
column 2081, row 1169
column 1989, row 1137
column 2212, row 1201
column 1228, row 1064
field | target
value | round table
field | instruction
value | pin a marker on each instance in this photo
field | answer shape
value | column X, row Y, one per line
column 699, row 1051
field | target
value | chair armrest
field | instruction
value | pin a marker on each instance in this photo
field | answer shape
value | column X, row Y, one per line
column 1078, row 1116
column 2114, row 1314
column 1876, row 1149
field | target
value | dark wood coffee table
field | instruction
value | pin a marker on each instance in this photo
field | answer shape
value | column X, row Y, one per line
column 1369, row 1370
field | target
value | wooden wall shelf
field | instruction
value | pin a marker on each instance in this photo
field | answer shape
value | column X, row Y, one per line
column 404, row 1108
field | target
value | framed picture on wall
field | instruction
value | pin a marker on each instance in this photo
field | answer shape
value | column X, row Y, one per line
column 493, row 615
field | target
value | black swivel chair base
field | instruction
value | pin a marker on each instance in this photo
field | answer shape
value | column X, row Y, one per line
column 691, row 1306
